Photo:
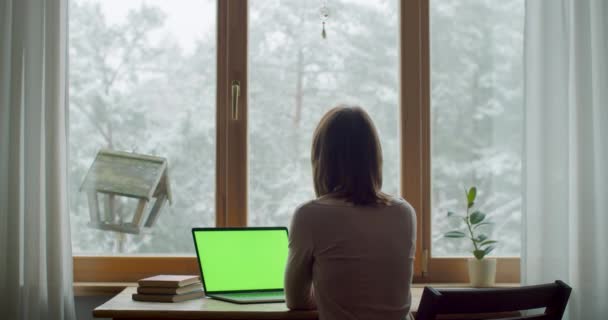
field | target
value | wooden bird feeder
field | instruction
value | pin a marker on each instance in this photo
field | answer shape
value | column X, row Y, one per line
column 114, row 174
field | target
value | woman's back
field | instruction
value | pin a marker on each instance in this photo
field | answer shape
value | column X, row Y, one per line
column 354, row 243
column 359, row 257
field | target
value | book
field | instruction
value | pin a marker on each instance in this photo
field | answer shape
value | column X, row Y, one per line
column 165, row 290
column 168, row 281
column 168, row 297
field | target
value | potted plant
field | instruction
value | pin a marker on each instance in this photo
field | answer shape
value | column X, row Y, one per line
column 482, row 270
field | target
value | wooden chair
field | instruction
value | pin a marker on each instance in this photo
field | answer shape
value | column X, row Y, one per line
column 494, row 301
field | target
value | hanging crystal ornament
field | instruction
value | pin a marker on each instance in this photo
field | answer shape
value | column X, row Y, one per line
column 324, row 13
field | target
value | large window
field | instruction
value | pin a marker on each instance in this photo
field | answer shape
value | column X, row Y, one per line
column 229, row 93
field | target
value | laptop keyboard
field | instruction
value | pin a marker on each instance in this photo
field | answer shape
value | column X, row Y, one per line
column 254, row 295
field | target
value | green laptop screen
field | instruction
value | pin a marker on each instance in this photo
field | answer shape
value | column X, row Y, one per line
column 242, row 259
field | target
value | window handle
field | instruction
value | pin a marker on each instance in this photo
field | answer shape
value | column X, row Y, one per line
column 236, row 92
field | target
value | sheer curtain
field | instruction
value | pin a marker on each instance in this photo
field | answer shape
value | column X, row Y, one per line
column 566, row 150
column 35, row 260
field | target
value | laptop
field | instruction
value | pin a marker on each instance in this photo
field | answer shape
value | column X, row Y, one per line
column 242, row 265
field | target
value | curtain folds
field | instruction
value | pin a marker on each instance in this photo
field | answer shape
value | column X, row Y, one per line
column 35, row 245
column 565, row 232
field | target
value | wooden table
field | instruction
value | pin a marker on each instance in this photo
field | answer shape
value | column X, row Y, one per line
column 122, row 307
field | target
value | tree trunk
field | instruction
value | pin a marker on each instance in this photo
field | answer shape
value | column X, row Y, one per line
column 299, row 94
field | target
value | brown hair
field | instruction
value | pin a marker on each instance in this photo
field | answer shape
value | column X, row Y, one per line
column 347, row 157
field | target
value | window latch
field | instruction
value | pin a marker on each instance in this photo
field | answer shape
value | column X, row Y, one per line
column 236, row 92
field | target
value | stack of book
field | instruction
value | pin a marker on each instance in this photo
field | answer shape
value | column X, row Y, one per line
column 168, row 288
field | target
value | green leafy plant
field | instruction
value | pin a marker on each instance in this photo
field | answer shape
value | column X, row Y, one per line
column 482, row 246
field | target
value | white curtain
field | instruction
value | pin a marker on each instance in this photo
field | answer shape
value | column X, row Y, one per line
column 566, row 151
column 35, row 247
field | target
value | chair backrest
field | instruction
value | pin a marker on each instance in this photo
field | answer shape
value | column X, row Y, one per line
column 552, row 296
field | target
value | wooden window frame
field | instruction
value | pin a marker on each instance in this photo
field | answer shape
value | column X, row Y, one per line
column 416, row 151
column 232, row 164
column 231, row 160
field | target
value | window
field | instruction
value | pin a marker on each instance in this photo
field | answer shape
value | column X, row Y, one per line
column 157, row 77
column 143, row 79
column 295, row 76
column 476, row 119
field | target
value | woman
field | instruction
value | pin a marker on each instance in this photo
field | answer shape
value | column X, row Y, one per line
column 354, row 244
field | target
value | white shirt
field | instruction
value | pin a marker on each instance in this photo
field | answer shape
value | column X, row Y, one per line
column 359, row 259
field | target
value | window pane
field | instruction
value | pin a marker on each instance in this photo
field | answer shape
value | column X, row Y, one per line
column 142, row 79
column 295, row 76
column 476, row 119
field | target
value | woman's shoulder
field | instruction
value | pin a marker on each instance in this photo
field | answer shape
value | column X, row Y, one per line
column 320, row 210
column 303, row 208
column 399, row 204
column 404, row 206
column 328, row 202
column 399, row 201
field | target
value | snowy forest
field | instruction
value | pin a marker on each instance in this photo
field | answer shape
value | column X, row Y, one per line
column 137, row 84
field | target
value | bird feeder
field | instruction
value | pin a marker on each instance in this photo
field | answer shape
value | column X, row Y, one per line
column 134, row 177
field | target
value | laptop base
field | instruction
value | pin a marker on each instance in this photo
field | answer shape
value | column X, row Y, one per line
column 250, row 298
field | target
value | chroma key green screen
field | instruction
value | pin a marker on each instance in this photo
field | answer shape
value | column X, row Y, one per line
column 234, row 260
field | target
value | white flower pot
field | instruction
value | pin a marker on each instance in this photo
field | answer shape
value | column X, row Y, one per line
column 482, row 273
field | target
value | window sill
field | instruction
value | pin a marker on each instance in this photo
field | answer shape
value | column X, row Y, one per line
column 88, row 289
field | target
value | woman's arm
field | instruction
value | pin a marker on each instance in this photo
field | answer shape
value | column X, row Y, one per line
column 298, row 273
